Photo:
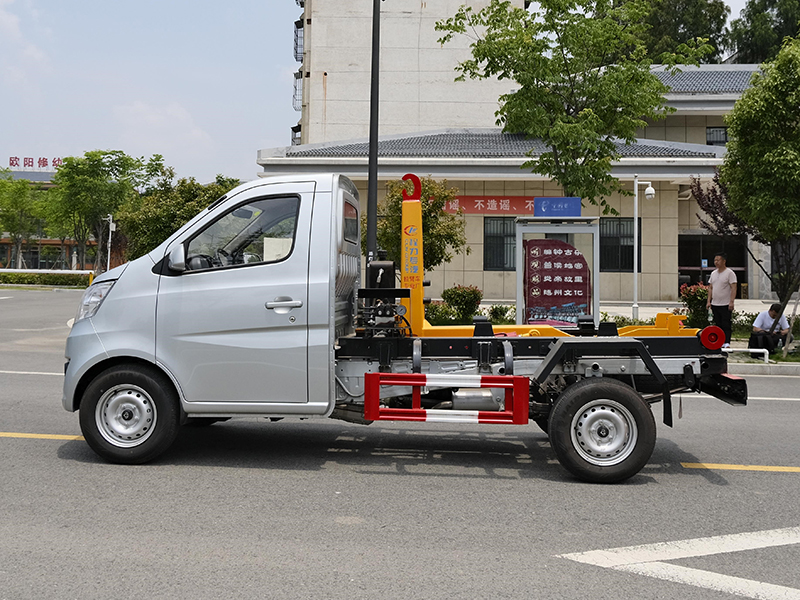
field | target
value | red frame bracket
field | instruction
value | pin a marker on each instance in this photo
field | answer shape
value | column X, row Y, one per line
column 517, row 391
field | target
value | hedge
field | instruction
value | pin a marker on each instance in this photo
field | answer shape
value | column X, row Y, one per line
column 58, row 279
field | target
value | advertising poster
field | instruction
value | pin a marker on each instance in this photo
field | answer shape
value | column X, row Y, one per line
column 558, row 286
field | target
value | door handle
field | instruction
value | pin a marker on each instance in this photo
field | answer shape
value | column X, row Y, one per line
column 284, row 303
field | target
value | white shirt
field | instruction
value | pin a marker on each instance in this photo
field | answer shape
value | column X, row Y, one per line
column 764, row 321
column 721, row 284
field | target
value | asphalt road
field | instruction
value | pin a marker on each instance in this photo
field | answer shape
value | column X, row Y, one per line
column 325, row 509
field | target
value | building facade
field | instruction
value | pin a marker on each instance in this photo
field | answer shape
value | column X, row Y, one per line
column 433, row 126
column 333, row 43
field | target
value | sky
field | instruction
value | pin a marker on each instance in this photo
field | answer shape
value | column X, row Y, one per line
column 206, row 84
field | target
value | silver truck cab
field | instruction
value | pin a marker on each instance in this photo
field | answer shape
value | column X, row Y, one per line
column 236, row 314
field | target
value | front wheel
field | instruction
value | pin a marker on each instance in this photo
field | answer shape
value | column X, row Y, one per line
column 602, row 431
column 129, row 414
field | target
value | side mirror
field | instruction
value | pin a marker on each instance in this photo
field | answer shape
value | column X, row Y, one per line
column 176, row 260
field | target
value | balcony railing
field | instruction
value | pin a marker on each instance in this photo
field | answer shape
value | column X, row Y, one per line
column 297, row 96
column 298, row 40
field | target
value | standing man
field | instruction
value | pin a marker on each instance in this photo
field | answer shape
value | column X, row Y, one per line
column 721, row 294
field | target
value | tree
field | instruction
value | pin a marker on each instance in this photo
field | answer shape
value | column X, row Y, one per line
column 757, row 190
column 91, row 187
column 164, row 207
column 444, row 233
column 757, row 35
column 56, row 226
column 18, row 213
column 583, row 76
column 676, row 22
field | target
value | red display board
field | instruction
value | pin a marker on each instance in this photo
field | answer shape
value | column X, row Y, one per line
column 558, row 285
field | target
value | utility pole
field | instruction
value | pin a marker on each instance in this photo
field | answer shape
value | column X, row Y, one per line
column 372, row 186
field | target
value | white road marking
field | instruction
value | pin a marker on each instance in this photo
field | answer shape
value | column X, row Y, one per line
column 714, row 581
column 29, row 373
column 5, row 297
column 649, row 560
column 690, row 396
column 41, row 329
column 748, row 376
column 768, row 398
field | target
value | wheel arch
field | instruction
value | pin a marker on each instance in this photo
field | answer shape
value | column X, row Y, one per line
column 115, row 361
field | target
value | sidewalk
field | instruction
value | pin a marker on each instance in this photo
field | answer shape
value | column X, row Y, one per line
column 648, row 310
column 739, row 363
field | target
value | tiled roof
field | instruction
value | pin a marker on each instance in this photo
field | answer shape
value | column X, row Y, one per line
column 705, row 81
column 37, row 176
column 484, row 144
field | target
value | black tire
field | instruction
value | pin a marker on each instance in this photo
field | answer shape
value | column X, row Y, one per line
column 129, row 414
column 602, row 431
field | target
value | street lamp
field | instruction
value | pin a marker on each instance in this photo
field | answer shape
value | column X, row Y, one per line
column 649, row 193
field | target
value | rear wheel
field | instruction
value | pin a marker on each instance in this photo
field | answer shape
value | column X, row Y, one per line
column 602, row 430
column 129, row 414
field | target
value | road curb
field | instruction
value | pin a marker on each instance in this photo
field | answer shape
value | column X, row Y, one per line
column 762, row 369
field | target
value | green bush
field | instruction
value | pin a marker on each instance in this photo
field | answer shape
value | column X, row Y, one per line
column 694, row 298
column 742, row 324
column 439, row 313
column 464, row 300
column 623, row 321
column 501, row 314
column 59, row 279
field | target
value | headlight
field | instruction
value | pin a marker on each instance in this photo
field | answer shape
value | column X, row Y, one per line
column 92, row 299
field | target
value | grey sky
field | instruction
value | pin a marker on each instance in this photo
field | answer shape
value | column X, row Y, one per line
column 206, row 84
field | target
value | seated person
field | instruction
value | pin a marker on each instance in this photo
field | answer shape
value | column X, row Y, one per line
column 761, row 337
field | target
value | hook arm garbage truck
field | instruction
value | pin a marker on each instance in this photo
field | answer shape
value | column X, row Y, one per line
column 255, row 308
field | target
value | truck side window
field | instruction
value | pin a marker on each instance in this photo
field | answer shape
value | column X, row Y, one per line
column 260, row 231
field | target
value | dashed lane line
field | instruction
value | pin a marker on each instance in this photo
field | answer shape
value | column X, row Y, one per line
column 650, row 560
column 30, row 373
column 724, row 467
column 39, row 436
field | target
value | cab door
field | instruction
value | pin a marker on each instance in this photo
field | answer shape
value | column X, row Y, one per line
column 233, row 326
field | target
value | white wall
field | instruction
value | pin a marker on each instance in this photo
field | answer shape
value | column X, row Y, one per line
column 417, row 87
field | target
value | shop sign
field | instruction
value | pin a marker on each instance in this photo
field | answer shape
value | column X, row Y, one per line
column 28, row 162
column 509, row 206
column 557, row 282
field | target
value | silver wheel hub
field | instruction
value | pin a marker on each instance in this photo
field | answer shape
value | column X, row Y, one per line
column 125, row 416
column 604, row 433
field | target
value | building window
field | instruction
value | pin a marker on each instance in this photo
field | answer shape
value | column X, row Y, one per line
column 298, row 40
column 499, row 244
column 297, row 96
column 716, row 136
column 616, row 245
column 296, row 131
column 693, row 249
